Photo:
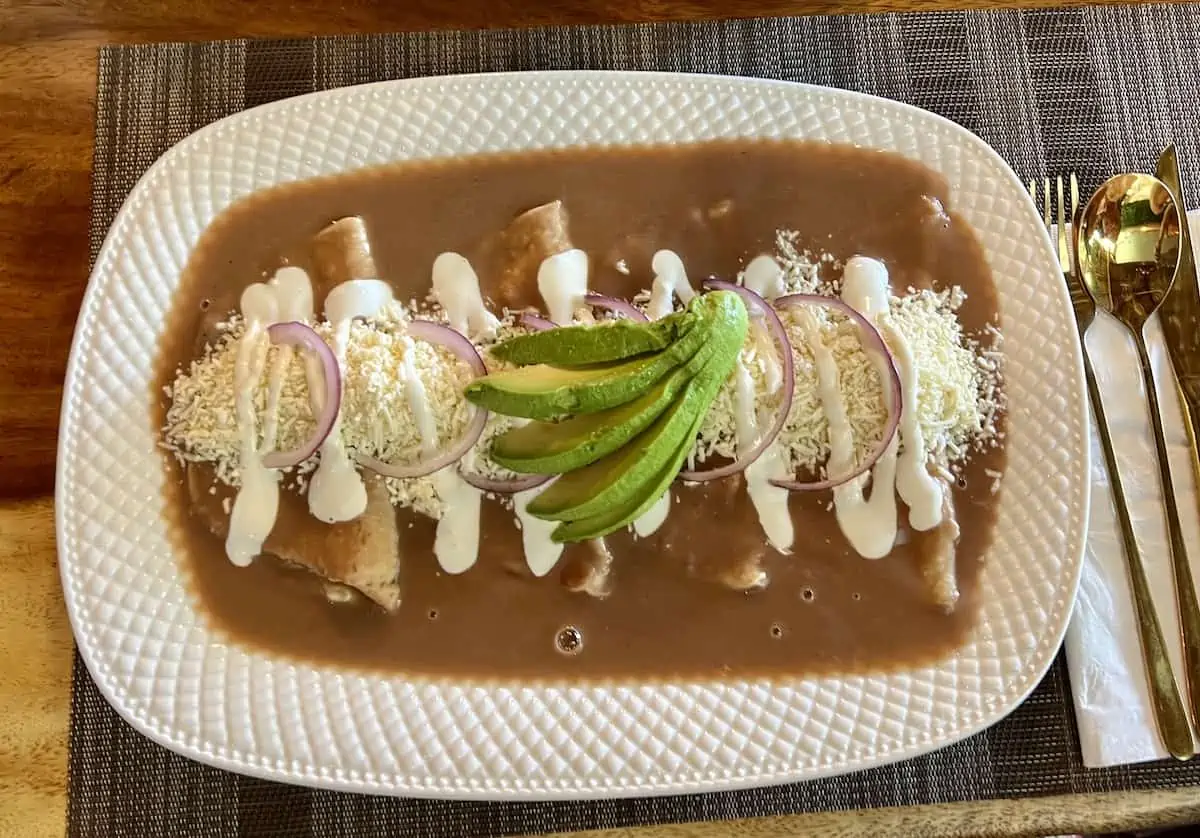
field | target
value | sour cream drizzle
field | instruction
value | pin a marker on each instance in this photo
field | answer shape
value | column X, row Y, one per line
column 294, row 296
column 648, row 522
column 865, row 286
column 563, row 282
column 919, row 489
column 541, row 552
column 456, row 287
column 764, row 277
column 869, row 524
column 288, row 296
column 670, row 281
column 770, row 502
column 337, row 492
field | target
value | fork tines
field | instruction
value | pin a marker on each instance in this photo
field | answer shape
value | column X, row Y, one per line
column 1067, row 258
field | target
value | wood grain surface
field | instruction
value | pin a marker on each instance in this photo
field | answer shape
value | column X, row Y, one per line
column 48, row 54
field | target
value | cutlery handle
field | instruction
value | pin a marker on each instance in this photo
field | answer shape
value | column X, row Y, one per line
column 1164, row 692
column 1185, row 588
column 1183, row 576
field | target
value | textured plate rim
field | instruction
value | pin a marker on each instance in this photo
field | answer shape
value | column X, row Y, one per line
column 1014, row 692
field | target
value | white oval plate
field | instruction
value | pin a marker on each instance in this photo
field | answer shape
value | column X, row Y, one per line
column 153, row 656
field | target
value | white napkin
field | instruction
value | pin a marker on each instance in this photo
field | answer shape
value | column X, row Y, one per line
column 1108, row 678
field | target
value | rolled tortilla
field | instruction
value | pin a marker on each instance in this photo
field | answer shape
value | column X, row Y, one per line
column 938, row 554
column 341, row 252
column 517, row 252
column 362, row 554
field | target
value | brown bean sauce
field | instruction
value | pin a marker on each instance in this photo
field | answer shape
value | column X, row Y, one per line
column 718, row 204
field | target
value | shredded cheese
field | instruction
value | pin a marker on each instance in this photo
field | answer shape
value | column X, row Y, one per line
column 959, row 393
column 376, row 417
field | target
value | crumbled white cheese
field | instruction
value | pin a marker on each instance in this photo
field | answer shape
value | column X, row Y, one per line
column 959, row 393
column 801, row 270
column 376, row 417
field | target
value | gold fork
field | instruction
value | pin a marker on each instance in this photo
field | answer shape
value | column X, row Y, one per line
column 1169, row 712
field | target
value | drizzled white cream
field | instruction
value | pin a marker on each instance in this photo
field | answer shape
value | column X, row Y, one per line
column 456, row 288
column 764, row 277
column 294, row 301
column 865, row 287
column 418, row 400
column 336, row 491
column 456, row 542
column 288, row 296
column 869, row 524
column 920, row 490
column 770, row 502
column 257, row 501
column 670, row 281
column 563, row 283
column 541, row 552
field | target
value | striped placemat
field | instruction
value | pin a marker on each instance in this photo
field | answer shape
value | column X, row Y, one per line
column 1088, row 90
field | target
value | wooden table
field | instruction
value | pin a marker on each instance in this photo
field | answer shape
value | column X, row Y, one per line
column 47, row 100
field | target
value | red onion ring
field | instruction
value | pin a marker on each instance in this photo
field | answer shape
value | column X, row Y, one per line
column 760, row 308
column 464, row 350
column 616, row 306
column 536, row 323
column 873, row 342
column 298, row 334
column 502, row 486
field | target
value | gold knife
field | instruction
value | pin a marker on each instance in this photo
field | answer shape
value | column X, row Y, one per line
column 1180, row 318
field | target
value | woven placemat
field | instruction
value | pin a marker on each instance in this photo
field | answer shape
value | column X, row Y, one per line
column 1047, row 89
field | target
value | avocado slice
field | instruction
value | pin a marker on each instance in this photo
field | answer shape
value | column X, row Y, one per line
column 627, row 511
column 607, row 522
column 616, row 480
column 557, row 447
column 543, row 391
column 572, row 346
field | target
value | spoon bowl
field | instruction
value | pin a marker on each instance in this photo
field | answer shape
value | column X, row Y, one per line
column 1128, row 247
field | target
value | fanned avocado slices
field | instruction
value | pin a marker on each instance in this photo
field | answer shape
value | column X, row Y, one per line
column 543, row 391
column 573, row 346
column 624, row 512
column 624, row 478
column 612, row 481
column 558, row 447
column 631, row 419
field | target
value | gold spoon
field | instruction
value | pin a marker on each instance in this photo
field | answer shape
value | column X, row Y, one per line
column 1128, row 249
